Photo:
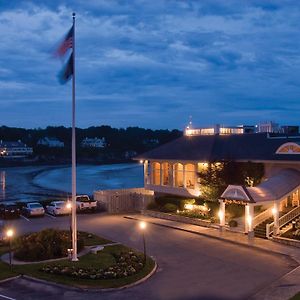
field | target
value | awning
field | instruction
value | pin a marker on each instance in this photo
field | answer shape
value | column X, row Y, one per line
column 272, row 189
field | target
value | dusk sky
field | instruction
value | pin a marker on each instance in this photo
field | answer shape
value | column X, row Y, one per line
column 152, row 63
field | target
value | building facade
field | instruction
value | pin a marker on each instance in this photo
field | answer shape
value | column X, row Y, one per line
column 14, row 149
column 93, row 143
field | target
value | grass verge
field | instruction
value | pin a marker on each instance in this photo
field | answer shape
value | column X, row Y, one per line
column 296, row 297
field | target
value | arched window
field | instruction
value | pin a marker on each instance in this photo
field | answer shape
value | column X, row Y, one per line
column 165, row 173
column 190, row 176
column 156, row 173
column 178, row 175
column 289, row 148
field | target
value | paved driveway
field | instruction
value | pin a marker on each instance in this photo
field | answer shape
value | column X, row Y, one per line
column 190, row 266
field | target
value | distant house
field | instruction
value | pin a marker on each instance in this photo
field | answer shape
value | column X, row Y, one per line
column 14, row 149
column 51, row 142
column 93, row 143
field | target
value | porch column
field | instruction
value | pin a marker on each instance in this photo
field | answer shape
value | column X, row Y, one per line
column 146, row 176
column 171, row 180
column 249, row 213
column 222, row 213
column 298, row 197
column 173, row 175
column 161, row 173
column 275, row 211
column 184, row 176
column 150, row 173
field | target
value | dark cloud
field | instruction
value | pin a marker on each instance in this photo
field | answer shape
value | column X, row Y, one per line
column 152, row 63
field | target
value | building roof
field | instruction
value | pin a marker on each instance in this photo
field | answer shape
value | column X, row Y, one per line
column 240, row 147
column 276, row 187
column 272, row 189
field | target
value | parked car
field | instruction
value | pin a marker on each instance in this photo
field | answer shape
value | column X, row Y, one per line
column 58, row 208
column 33, row 209
column 9, row 210
column 84, row 203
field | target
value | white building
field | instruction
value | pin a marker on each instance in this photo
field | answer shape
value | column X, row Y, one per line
column 51, row 142
column 14, row 149
column 93, row 143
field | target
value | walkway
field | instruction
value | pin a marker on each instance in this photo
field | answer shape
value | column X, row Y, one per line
column 284, row 288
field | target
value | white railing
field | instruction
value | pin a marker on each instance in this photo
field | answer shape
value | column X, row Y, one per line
column 262, row 217
column 285, row 219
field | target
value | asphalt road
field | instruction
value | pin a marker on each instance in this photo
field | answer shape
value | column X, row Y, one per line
column 190, row 266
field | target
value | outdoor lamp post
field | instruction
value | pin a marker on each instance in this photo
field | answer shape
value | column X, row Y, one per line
column 69, row 207
column 143, row 226
column 9, row 235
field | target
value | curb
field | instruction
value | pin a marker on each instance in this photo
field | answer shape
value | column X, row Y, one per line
column 79, row 289
column 217, row 238
column 10, row 279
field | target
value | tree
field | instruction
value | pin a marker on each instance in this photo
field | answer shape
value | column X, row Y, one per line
column 217, row 176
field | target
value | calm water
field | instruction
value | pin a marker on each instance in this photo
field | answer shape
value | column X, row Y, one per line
column 27, row 183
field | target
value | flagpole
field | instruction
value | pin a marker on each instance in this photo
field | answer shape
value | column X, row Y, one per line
column 74, row 218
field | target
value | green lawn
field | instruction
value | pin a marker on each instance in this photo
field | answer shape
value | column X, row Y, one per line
column 102, row 260
column 5, row 268
column 296, row 297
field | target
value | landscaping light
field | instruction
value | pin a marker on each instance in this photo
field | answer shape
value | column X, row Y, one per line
column 188, row 206
column 9, row 233
column 141, row 161
column 143, row 225
column 68, row 205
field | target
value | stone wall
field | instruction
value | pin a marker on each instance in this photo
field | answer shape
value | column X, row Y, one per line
column 286, row 241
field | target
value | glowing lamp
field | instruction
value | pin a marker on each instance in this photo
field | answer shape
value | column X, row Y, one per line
column 143, row 225
column 9, row 233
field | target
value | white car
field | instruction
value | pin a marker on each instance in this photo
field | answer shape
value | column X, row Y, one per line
column 58, row 208
column 33, row 209
column 83, row 203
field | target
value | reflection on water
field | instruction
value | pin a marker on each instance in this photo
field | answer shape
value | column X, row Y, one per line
column 3, row 183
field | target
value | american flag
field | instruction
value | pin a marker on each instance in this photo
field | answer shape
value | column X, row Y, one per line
column 66, row 44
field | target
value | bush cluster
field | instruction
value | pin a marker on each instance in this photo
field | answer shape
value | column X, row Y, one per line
column 127, row 264
column 43, row 245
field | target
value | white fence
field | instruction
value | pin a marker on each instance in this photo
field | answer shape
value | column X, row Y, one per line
column 124, row 200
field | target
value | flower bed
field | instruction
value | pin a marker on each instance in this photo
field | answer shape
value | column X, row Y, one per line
column 127, row 263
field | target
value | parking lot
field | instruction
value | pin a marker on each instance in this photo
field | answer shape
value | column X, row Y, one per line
column 189, row 266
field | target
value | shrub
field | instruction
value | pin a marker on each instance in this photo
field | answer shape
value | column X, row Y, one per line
column 170, row 207
column 127, row 264
column 233, row 223
column 152, row 206
column 183, row 202
column 296, row 234
column 46, row 244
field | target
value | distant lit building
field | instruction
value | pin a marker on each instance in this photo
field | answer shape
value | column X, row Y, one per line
column 51, row 142
column 219, row 129
column 93, row 143
column 270, row 127
column 14, row 149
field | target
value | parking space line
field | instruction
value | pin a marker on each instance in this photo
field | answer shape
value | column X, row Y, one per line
column 24, row 218
column 48, row 215
column 6, row 297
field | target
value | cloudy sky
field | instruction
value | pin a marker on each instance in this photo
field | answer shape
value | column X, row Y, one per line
column 152, row 63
